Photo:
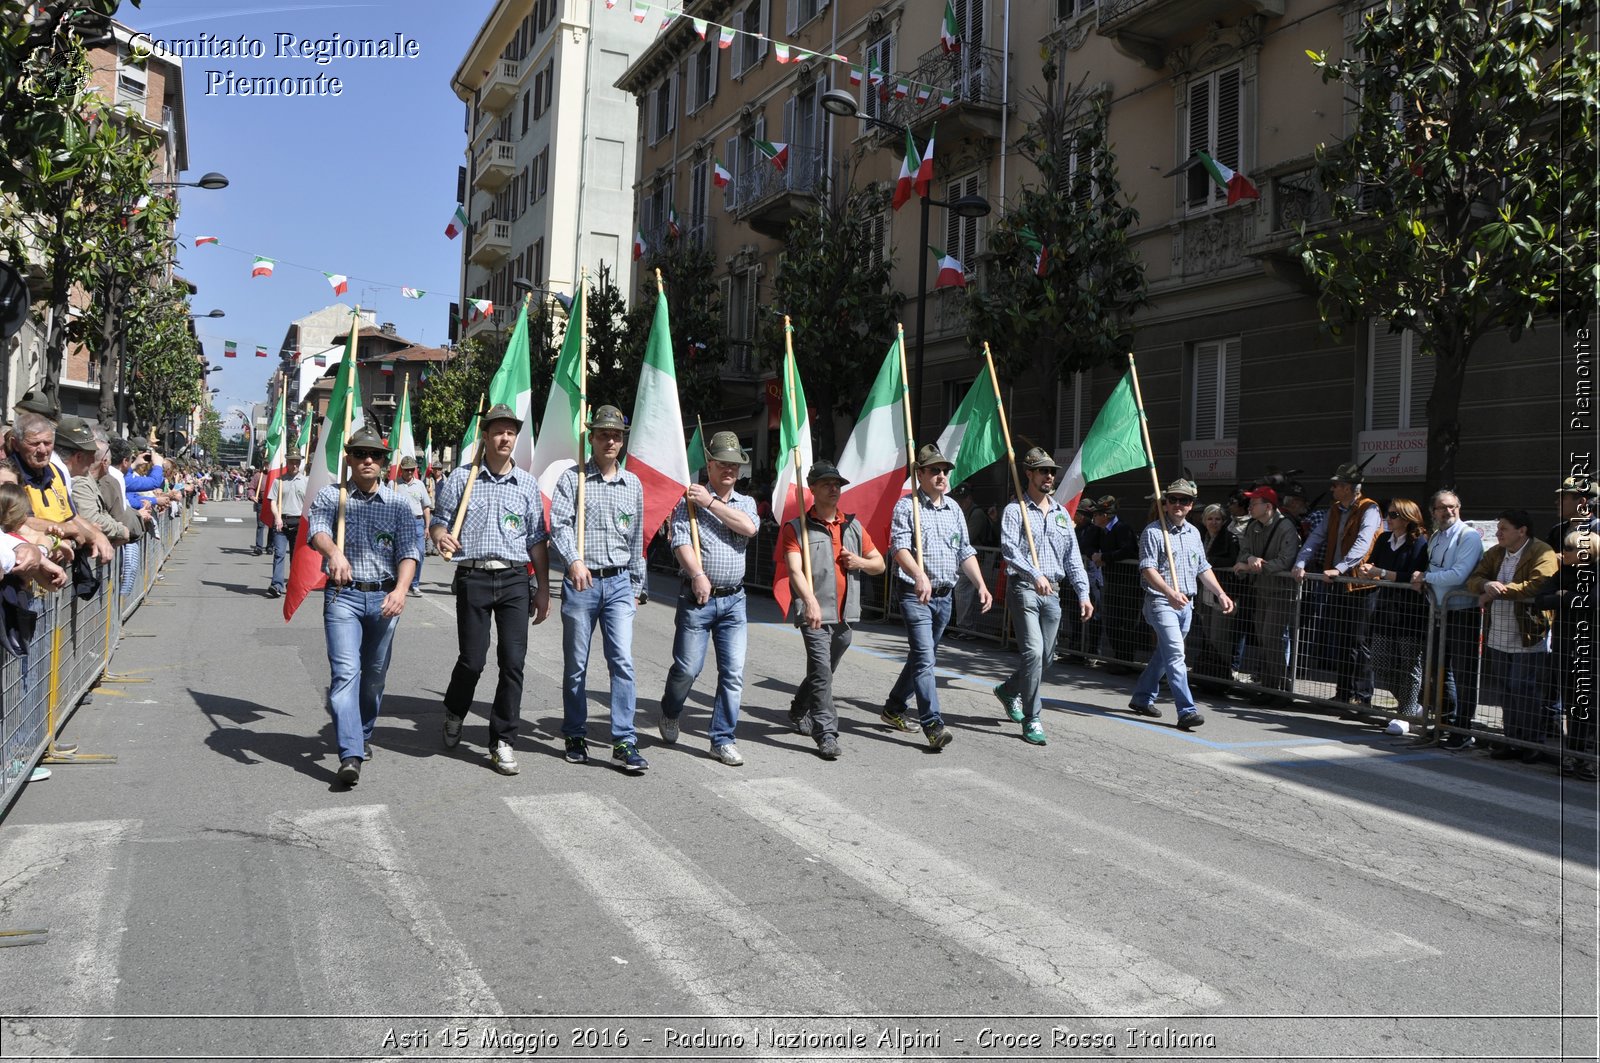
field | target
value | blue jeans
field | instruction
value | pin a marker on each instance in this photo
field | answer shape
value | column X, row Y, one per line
column 611, row 603
column 422, row 555
column 1520, row 680
column 1170, row 626
column 1037, row 620
column 721, row 619
column 282, row 547
column 131, row 554
column 262, row 531
column 924, row 626
column 360, row 639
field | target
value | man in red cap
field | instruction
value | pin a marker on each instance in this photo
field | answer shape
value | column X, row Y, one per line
column 1267, row 549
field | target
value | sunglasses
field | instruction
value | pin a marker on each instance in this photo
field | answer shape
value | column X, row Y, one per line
column 1179, row 500
column 1392, row 515
column 367, row 455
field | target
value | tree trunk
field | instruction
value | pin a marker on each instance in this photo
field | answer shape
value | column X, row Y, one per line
column 823, row 441
column 1444, row 416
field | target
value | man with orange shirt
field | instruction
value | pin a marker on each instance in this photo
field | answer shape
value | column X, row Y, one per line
column 840, row 551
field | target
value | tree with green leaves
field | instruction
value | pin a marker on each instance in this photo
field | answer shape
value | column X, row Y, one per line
column 450, row 397
column 1463, row 201
column 616, row 343
column 163, row 357
column 1063, row 282
column 836, row 290
column 700, row 344
column 209, row 438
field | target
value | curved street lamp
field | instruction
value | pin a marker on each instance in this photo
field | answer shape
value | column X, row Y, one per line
column 214, row 313
column 212, row 181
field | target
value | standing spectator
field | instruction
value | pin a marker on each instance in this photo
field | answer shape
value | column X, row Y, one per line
column 415, row 494
column 1342, row 542
column 1213, row 629
column 1570, row 597
column 1516, row 641
column 1454, row 550
column 258, row 480
column 1083, row 636
column 1267, row 551
column 1400, row 621
column 290, row 489
column 88, row 455
column 1119, row 544
column 1576, row 499
column 981, row 530
column 32, row 456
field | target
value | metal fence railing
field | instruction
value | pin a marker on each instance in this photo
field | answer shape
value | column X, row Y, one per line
column 72, row 644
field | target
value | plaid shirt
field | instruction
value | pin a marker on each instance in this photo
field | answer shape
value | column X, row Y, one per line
column 721, row 550
column 1053, row 536
column 379, row 531
column 505, row 516
column 613, row 535
column 1188, row 551
column 945, row 540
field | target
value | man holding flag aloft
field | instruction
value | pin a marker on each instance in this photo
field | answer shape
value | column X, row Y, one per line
column 929, row 566
column 712, row 526
column 1039, row 558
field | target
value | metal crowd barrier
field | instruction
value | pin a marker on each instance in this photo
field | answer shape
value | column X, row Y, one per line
column 71, row 647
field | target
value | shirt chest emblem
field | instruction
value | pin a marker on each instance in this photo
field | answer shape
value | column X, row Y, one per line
column 383, row 540
column 512, row 522
column 624, row 521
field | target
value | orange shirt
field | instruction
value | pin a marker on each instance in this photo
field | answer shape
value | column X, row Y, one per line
column 789, row 541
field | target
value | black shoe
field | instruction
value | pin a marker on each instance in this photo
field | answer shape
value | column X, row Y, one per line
column 256, row 550
column 350, row 770
column 937, row 736
column 577, row 751
column 1188, row 721
column 1145, row 710
column 366, row 752
column 1455, row 740
column 801, row 722
column 828, row 748
column 273, row 592
column 1505, row 753
column 1584, row 772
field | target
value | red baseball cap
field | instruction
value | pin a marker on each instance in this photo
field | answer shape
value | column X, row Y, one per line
column 1263, row 492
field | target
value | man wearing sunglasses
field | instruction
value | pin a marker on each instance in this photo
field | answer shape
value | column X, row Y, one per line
column 366, row 591
column 1169, row 601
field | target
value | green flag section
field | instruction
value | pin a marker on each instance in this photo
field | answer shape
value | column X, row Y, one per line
column 794, row 437
column 556, row 449
column 973, row 440
column 656, row 453
column 1115, row 444
column 275, row 452
column 513, row 386
column 874, row 458
column 697, row 453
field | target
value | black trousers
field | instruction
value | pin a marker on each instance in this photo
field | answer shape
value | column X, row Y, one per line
column 482, row 598
column 1349, row 619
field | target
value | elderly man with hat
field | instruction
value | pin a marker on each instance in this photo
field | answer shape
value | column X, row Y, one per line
column 928, row 571
column 840, row 551
column 1342, row 542
column 365, row 593
column 604, row 585
column 49, row 488
column 1037, row 565
column 502, row 531
column 1576, row 498
column 289, row 505
column 409, row 487
column 711, row 604
column 1267, row 549
column 1172, row 566
column 35, row 401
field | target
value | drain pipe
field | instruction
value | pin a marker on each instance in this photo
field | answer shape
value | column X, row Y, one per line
column 1005, row 101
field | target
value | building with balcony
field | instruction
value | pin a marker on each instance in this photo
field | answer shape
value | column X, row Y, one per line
column 549, row 152
column 1238, row 374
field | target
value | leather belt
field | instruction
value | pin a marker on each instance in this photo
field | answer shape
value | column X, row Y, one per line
column 723, row 592
column 485, row 564
column 941, row 592
column 372, row 585
column 606, row 573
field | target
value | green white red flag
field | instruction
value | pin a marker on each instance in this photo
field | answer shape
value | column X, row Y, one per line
column 339, row 281
column 952, row 274
column 874, row 458
column 512, row 386
column 1114, row 444
column 230, row 349
column 949, row 30
column 402, row 441
column 719, row 174
column 656, row 453
column 276, row 437
column 777, row 154
column 262, row 267
column 201, row 241
column 457, row 224
column 924, row 180
column 789, row 496
column 908, row 171
column 973, row 439
column 1237, row 185
column 556, row 449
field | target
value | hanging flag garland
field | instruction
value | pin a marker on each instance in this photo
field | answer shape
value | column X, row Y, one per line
column 340, row 282
column 262, row 267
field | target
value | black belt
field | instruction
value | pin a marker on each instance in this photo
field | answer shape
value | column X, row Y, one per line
column 607, row 573
column 723, row 592
column 372, row 585
column 940, row 592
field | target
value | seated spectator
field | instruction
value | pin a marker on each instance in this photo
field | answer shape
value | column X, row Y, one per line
column 1400, row 620
column 1570, row 597
column 1516, row 641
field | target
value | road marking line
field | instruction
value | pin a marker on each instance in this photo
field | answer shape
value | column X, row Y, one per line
column 233, row 520
column 688, row 924
column 1040, row 945
column 1325, row 932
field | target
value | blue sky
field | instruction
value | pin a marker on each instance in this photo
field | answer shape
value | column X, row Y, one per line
column 360, row 184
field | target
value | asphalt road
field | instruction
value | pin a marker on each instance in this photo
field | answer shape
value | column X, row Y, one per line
column 1277, row 885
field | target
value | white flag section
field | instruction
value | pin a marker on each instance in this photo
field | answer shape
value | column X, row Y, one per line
column 794, row 433
column 513, row 386
column 874, row 458
column 656, row 452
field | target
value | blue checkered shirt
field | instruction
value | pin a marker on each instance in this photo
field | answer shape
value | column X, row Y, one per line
column 945, row 541
column 613, row 531
column 1188, row 551
column 1053, row 536
column 721, row 549
column 379, row 531
column 505, row 515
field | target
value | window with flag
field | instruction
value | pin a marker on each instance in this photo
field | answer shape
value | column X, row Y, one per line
column 1399, row 379
column 749, row 46
column 802, row 11
column 1215, row 124
column 963, row 237
column 1070, row 389
column 880, row 64
column 1214, row 389
column 703, row 75
column 699, row 192
column 742, row 159
column 969, row 25
column 662, row 115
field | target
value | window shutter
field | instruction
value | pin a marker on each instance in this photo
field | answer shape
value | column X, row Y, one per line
column 1203, row 419
column 1197, row 181
column 764, row 19
column 1228, row 132
column 713, row 59
column 1420, row 385
column 730, row 194
column 790, row 133
column 1230, row 390
column 1385, row 351
column 792, row 18
column 725, row 293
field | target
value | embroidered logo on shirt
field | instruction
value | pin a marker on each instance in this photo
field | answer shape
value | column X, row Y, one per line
column 384, row 540
column 955, row 540
column 1061, row 521
column 624, row 520
column 512, row 521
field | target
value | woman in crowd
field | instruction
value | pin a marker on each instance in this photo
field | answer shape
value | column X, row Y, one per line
column 1212, row 635
column 1400, row 623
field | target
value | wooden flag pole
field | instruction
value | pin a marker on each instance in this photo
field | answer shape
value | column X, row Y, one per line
column 799, row 483
column 344, row 435
column 583, row 398
column 1011, row 459
column 911, row 443
column 694, row 521
column 1149, row 455
column 472, row 478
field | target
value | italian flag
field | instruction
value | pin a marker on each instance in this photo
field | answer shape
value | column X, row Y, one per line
column 261, row 352
column 1237, row 185
column 789, row 496
column 672, row 223
column 339, row 281
column 777, row 154
column 275, row 462
column 656, row 453
column 427, row 455
column 479, row 308
column 412, row 293
column 325, row 467
column 949, row 34
column 909, row 166
column 469, row 440
column 719, row 174
column 556, row 450
column 924, row 181
column 1041, row 253
column 973, row 440
column 638, row 245
column 855, row 75
column 874, row 458
column 952, row 274
column 1114, row 444
column 780, row 51
column 262, row 267
column 201, row 241
column 512, row 386
column 700, row 27
column 457, row 224
column 230, row 349
column 305, row 432
column 725, row 37
column 402, row 441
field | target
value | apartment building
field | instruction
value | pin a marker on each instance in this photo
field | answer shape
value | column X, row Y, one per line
column 1238, row 374
column 550, row 152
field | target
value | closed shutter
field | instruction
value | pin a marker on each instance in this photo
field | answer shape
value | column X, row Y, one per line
column 1069, row 410
column 1420, row 385
column 725, row 295
column 1385, row 371
column 730, row 192
column 1215, row 410
column 961, row 234
column 1230, row 390
column 1225, row 145
column 1197, row 181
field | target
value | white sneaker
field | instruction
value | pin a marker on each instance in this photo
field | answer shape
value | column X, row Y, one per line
column 668, row 728
column 729, row 755
column 503, row 759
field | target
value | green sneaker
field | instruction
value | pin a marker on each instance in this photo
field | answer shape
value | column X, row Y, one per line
column 1011, row 702
column 1033, row 733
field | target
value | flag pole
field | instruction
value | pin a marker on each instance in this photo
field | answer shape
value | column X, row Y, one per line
column 405, row 411
column 694, row 522
column 1011, row 458
column 344, row 435
column 799, row 484
column 911, row 443
column 472, row 477
column 1149, row 454
column 583, row 398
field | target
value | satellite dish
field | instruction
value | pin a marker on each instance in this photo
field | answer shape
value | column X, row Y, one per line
column 13, row 301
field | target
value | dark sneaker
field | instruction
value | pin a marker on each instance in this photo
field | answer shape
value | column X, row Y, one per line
column 628, row 754
column 937, row 736
column 274, row 592
column 1145, row 710
column 452, row 729
column 366, row 752
column 1033, row 733
column 1012, row 703
column 1188, row 721
column 668, row 728
column 801, row 722
column 577, row 751
column 896, row 718
column 350, row 770
column 1584, row 772
column 1456, row 740
column 828, row 748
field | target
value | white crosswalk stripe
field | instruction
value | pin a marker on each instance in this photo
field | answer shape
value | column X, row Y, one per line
column 1044, row 948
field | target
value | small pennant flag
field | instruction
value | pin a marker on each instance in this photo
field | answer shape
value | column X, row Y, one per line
column 672, row 223
column 340, row 282
column 855, row 75
column 262, row 267
column 901, row 90
column 780, row 51
column 230, row 349
column 261, row 352
column 923, row 94
column 952, row 274
column 700, row 27
column 412, row 293
column 610, row 4
column 945, row 101
column 480, row 307
column 638, row 245
column 666, row 20
column 720, row 175
column 458, row 224
column 638, row 12
column 949, row 38
column 875, row 76
column 777, row 154
column 725, row 37
column 909, row 167
column 201, row 241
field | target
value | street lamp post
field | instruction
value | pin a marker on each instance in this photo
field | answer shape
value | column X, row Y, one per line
column 841, row 103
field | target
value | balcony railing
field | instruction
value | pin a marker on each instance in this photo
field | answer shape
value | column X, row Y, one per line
column 972, row 79
column 1144, row 28
column 494, row 165
column 492, row 243
column 1291, row 196
column 692, row 232
column 500, row 88
column 802, row 173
